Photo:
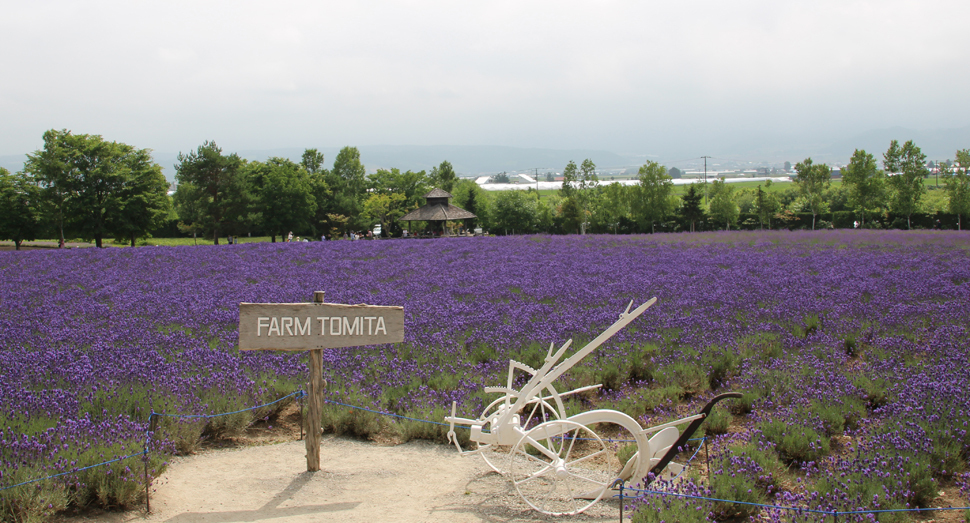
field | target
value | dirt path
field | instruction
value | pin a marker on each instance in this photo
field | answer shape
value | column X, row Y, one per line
column 360, row 482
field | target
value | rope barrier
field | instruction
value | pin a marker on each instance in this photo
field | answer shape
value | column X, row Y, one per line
column 75, row 471
column 298, row 393
column 301, row 394
column 796, row 509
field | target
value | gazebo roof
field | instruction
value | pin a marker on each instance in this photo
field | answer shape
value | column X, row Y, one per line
column 437, row 209
column 437, row 212
column 438, row 193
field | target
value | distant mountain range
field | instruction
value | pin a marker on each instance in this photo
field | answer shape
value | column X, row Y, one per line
column 473, row 160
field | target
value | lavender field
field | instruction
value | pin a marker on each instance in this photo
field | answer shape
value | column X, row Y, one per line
column 851, row 349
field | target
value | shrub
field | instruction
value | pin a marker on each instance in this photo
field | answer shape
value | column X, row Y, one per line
column 717, row 422
column 796, row 444
column 850, row 345
column 745, row 403
column 722, row 364
column 874, row 392
column 659, row 509
column 688, row 376
column 812, row 325
column 642, row 367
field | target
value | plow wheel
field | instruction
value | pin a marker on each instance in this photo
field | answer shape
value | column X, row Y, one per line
column 540, row 410
column 557, row 464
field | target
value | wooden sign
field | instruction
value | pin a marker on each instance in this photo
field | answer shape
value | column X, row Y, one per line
column 306, row 326
column 314, row 327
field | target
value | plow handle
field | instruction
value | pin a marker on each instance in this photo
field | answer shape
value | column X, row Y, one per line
column 688, row 432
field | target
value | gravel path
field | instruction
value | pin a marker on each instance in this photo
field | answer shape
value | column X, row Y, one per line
column 359, row 482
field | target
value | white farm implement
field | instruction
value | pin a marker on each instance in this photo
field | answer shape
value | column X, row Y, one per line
column 558, row 463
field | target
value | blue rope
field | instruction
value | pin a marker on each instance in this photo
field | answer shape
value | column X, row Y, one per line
column 798, row 509
column 389, row 414
column 75, row 471
column 688, row 496
column 298, row 393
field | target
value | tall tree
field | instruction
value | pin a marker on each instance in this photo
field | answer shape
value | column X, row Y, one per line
column 812, row 180
column 906, row 184
column 90, row 180
column 579, row 184
column 513, row 212
column 213, row 186
column 470, row 196
column 349, row 185
column 413, row 185
column 312, row 161
column 51, row 172
column 19, row 207
column 957, row 186
column 691, row 209
column 385, row 208
column 144, row 203
column 892, row 158
column 283, row 195
column 443, row 176
column 865, row 183
column 765, row 205
column 612, row 205
column 652, row 197
column 722, row 204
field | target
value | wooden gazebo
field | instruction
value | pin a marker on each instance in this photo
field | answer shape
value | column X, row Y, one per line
column 437, row 211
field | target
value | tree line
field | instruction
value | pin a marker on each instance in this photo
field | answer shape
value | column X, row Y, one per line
column 82, row 186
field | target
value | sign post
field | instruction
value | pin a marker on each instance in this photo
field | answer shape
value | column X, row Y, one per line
column 314, row 327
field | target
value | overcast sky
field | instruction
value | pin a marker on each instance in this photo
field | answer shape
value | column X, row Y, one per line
column 634, row 77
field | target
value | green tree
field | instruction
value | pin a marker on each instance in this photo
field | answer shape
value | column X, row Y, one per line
column 312, row 161
column 722, row 205
column 865, row 183
column 765, row 205
column 469, row 196
column 283, row 195
column 652, row 198
column 143, row 204
column 957, row 186
column 412, row 184
column 612, row 204
column 812, row 180
column 19, row 207
column 908, row 165
column 385, row 208
column 349, row 185
column 51, row 173
column 691, row 209
column 578, row 184
column 443, row 176
column 513, row 212
column 89, row 181
column 214, row 196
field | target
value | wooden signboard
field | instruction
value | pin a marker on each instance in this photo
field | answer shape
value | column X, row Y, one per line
column 314, row 327
column 305, row 326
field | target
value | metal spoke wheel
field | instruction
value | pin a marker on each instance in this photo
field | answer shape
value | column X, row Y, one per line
column 537, row 411
column 559, row 463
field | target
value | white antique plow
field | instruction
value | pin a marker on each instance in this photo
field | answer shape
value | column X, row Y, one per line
column 562, row 464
